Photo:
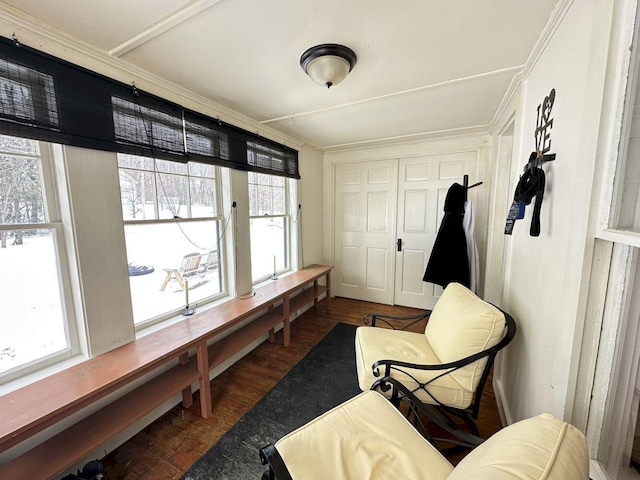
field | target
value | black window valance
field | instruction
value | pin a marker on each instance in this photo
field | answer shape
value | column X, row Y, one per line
column 45, row 98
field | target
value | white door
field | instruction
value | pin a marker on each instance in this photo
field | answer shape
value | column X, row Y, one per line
column 380, row 202
column 423, row 183
column 365, row 207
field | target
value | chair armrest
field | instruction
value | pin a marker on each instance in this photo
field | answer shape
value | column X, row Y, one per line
column 448, row 367
column 269, row 455
column 439, row 366
column 371, row 318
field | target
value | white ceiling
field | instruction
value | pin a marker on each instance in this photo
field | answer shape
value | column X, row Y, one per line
column 425, row 67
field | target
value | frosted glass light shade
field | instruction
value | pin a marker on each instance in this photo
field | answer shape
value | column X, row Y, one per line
column 328, row 64
column 328, row 70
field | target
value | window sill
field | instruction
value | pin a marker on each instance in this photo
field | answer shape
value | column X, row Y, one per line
column 43, row 372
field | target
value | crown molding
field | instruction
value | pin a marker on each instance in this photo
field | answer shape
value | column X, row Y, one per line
column 555, row 20
column 549, row 30
column 33, row 32
column 512, row 90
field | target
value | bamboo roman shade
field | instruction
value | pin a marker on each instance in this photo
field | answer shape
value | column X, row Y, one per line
column 45, row 98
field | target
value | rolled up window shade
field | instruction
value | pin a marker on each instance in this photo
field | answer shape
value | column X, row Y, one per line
column 269, row 157
column 142, row 125
column 205, row 137
column 45, row 98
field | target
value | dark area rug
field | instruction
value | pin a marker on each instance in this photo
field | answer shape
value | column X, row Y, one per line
column 323, row 379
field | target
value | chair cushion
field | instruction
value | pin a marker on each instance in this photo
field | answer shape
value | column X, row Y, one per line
column 460, row 325
column 365, row 437
column 542, row 447
column 373, row 344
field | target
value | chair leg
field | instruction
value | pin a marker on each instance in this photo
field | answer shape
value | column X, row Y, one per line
column 180, row 280
column 166, row 280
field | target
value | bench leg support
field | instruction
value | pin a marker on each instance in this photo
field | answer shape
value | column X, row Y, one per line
column 206, row 409
column 287, row 326
column 187, row 396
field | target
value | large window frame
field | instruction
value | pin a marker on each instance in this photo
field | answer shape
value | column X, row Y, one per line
column 53, row 223
column 180, row 219
column 269, row 211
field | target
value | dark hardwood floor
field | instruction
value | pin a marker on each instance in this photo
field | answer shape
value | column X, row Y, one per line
column 166, row 448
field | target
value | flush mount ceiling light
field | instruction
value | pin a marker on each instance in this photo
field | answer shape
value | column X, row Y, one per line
column 328, row 64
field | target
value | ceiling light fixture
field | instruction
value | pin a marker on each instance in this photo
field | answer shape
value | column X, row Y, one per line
column 328, row 64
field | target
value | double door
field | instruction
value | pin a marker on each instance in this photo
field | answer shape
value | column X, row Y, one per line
column 387, row 215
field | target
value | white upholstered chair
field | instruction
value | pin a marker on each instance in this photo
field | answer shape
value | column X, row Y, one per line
column 442, row 371
column 367, row 438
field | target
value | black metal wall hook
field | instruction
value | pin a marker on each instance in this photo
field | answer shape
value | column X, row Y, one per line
column 536, row 159
column 465, row 184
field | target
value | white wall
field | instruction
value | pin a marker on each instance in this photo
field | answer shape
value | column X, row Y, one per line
column 543, row 275
column 310, row 197
column 97, row 246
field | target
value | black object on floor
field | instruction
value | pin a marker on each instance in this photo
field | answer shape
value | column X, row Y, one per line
column 323, row 379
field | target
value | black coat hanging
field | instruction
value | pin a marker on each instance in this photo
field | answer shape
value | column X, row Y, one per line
column 449, row 261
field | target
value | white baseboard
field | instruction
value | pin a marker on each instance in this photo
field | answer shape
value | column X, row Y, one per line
column 503, row 407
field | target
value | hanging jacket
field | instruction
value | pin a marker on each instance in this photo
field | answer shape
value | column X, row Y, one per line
column 449, row 261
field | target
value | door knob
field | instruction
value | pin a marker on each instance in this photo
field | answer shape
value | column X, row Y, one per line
column 399, row 242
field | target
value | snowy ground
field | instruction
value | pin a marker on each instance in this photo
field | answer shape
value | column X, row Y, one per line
column 32, row 325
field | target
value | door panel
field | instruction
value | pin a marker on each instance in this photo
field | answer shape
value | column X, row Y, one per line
column 376, row 269
column 423, row 183
column 365, row 196
column 412, row 262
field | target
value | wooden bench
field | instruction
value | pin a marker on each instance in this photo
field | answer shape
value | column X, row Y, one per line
column 31, row 409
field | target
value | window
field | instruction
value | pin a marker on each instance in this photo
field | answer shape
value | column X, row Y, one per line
column 172, row 232
column 33, row 323
column 269, row 225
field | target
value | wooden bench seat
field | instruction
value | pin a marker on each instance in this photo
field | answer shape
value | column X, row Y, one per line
column 31, row 409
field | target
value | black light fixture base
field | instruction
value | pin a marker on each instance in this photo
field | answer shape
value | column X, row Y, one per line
column 328, row 49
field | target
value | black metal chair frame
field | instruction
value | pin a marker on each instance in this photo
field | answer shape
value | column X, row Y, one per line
column 437, row 412
column 372, row 318
column 277, row 468
column 442, row 415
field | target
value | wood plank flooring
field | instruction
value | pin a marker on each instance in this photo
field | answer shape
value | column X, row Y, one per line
column 167, row 448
